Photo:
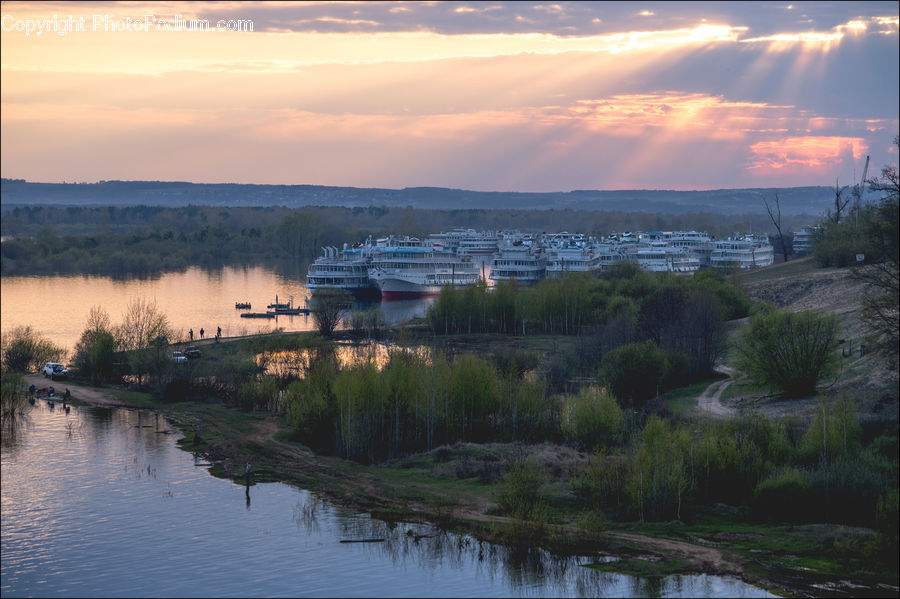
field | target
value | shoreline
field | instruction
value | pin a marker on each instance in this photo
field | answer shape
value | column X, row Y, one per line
column 226, row 436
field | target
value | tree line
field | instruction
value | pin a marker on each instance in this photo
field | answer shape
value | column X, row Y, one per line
column 651, row 330
column 144, row 240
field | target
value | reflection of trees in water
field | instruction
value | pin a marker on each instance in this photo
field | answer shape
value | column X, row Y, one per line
column 532, row 571
column 13, row 426
column 306, row 513
column 14, row 408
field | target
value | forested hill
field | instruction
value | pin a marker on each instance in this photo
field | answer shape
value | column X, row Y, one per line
column 794, row 200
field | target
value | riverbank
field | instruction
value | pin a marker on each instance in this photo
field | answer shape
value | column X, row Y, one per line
column 455, row 486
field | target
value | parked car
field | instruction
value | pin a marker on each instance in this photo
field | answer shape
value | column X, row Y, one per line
column 178, row 357
column 55, row 371
column 192, row 353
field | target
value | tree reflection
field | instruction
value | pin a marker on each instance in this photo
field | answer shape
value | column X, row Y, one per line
column 14, row 406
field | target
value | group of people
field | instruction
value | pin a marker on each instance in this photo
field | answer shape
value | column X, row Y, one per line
column 202, row 332
column 49, row 392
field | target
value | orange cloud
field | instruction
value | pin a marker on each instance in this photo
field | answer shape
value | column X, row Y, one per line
column 812, row 154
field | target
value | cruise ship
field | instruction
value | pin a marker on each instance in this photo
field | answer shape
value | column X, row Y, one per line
column 407, row 271
column 572, row 252
column 468, row 241
column 805, row 240
column 742, row 252
column 660, row 256
column 346, row 269
column 519, row 260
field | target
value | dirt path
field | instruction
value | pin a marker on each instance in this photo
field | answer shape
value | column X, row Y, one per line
column 709, row 402
column 704, row 559
column 79, row 393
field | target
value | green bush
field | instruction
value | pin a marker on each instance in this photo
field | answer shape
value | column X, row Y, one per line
column 635, row 371
column 784, row 496
column 23, row 350
column 518, row 495
column 787, row 351
column 593, row 419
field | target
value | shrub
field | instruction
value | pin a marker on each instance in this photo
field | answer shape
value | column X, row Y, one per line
column 783, row 496
column 519, row 492
column 788, row 351
column 593, row 419
column 23, row 350
column 635, row 371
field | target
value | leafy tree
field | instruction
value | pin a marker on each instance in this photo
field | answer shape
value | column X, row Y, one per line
column 785, row 495
column 635, row 371
column 788, row 351
column 328, row 306
column 661, row 482
column 593, row 419
column 95, row 352
column 23, row 350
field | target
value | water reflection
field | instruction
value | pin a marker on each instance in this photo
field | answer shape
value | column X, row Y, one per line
column 192, row 299
column 100, row 502
column 288, row 364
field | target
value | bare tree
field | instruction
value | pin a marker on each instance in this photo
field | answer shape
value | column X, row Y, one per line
column 328, row 306
column 144, row 333
column 840, row 203
column 881, row 271
column 776, row 220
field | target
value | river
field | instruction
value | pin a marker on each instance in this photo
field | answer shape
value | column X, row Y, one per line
column 101, row 502
column 58, row 306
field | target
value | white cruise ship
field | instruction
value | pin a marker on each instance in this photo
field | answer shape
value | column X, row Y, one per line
column 805, row 240
column 468, row 241
column 660, row 256
column 405, row 271
column 568, row 252
column 699, row 243
column 742, row 252
column 519, row 260
column 346, row 269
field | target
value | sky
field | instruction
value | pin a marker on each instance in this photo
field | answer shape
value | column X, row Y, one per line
column 488, row 96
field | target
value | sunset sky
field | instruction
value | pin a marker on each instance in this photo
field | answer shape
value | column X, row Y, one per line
column 522, row 96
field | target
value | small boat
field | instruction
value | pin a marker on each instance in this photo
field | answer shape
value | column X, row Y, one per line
column 288, row 309
column 242, row 305
column 257, row 315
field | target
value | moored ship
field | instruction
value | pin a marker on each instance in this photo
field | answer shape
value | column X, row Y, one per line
column 742, row 253
column 419, row 271
column 345, row 269
column 519, row 260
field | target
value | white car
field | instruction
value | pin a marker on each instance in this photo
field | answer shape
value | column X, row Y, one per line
column 55, row 370
column 179, row 357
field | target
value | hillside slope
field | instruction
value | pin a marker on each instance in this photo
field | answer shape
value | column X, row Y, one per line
column 801, row 285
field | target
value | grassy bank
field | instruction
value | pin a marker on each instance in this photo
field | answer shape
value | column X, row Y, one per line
column 456, row 487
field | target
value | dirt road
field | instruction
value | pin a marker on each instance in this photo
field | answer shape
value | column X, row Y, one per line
column 79, row 393
column 709, row 401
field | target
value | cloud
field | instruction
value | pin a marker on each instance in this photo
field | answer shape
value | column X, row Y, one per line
column 822, row 155
column 393, row 94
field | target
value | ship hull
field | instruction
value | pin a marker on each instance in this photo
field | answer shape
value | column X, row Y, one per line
column 396, row 288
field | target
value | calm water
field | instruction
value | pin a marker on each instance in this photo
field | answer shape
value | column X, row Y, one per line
column 58, row 306
column 101, row 502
